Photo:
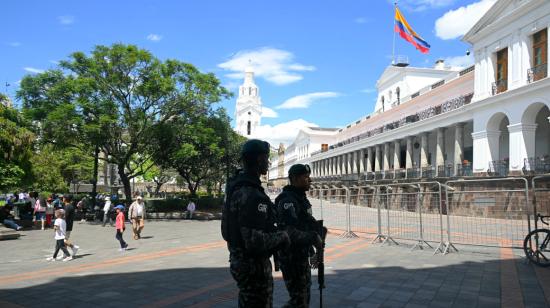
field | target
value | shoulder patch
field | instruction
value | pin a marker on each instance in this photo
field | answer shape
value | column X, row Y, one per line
column 288, row 205
column 262, row 207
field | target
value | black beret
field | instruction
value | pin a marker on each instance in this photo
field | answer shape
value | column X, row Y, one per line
column 299, row 169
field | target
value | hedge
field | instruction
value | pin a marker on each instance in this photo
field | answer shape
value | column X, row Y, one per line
column 178, row 204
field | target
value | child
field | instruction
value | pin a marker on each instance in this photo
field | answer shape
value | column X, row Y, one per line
column 60, row 229
column 120, row 226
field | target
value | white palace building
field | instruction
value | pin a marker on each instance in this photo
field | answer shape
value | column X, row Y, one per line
column 490, row 119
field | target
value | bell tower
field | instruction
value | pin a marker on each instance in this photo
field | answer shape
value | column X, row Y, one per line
column 248, row 112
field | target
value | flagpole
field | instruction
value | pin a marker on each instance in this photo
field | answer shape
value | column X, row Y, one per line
column 394, row 24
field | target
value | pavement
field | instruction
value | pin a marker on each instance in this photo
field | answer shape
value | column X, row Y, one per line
column 185, row 264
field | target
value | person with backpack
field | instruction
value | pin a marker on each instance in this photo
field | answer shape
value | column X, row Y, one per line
column 248, row 226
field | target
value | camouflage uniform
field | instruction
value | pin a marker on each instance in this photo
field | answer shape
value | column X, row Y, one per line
column 296, row 218
column 249, row 228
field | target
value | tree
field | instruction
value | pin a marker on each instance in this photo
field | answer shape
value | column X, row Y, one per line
column 16, row 142
column 159, row 176
column 121, row 93
column 201, row 151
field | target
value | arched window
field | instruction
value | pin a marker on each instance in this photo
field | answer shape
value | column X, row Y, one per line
column 248, row 128
column 382, row 100
column 249, row 91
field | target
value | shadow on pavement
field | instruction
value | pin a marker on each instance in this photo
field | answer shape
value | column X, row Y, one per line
column 466, row 284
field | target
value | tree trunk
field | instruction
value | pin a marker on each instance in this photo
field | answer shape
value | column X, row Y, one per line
column 157, row 189
column 192, row 188
column 94, row 179
column 126, row 182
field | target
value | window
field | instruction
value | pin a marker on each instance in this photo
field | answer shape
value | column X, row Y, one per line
column 248, row 128
column 382, row 103
column 540, row 56
column 501, row 83
column 398, row 94
column 249, row 91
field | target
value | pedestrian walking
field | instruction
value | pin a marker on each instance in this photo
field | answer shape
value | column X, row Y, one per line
column 69, row 218
column 107, row 212
column 39, row 211
column 137, row 214
column 190, row 209
column 296, row 218
column 248, row 226
column 120, row 227
column 60, row 232
column 49, row 211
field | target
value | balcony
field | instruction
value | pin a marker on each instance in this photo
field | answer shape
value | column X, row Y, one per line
column 413, row 173
column 400, row 173
column 444, row 171
column 500, row 86
column 428, row 172
column 499, row 167
column 537, row 73
column 536, row 165
column 464, row 169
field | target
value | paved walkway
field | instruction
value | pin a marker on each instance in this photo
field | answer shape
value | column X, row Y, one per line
column 184, row 263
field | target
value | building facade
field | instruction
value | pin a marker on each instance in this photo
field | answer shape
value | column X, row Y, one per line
column 490, row 119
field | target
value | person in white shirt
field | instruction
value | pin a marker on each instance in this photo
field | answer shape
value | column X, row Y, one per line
column 137, row 214
column 190, row 209
column 107, row 212
column 60, row 228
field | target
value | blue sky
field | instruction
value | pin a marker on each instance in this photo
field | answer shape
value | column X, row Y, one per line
column 324, row 55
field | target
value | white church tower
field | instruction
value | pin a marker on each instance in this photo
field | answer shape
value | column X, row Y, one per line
column 248, row 112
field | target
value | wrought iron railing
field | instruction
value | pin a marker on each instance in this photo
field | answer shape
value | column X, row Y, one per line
column 369, row 176
column 400, row 173
column 444, row 171
column 537, row 73
column 464, row 169
column 500, row 86
column 378, row 175
column 536, row 165
column 428, row 172
column 413, row 173
column 499, row 167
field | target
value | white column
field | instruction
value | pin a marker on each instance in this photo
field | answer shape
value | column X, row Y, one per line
column 377, row 158
column 353, row 162
column 349, row 163
column 369, row 159
column 458, row 146
column 424, row 150
column 361, row 161
column 387, row 156
column 522, row 144
column 396, row 154
column 440, row 148
column 486, row 147
column 409, row 155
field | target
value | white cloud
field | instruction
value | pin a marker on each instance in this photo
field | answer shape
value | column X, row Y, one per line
column 13, row 44
column 460, row 61
column 274, row 65
column 269, row 113
column 455, row 23
column 369, row 90
column 154, row 37
column 281, row 133
column 33, row 70
column 305, row 100
column 66, row 19
column 422, row 5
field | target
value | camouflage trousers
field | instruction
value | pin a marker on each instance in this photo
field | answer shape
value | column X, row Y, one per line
column 254, row 279
column 297, row 276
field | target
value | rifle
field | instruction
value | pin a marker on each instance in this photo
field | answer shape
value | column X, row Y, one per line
column 322, row 231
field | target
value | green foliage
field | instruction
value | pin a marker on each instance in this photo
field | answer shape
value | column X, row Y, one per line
column 54, row 169
column 16, row 143
column 115, row 98
column 207, row 203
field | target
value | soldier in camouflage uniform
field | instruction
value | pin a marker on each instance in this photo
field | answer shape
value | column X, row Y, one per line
column 248, row 226
column 296, row 218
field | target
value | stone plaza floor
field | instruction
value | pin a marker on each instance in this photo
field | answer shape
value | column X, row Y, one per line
column 185, row 263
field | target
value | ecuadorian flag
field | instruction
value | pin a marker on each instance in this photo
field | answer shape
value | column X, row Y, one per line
column 406, row 32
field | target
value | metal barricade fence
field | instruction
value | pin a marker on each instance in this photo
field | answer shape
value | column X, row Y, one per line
column 331, row 206
column 541, row 198
column 488, row 212
column 363, row 210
